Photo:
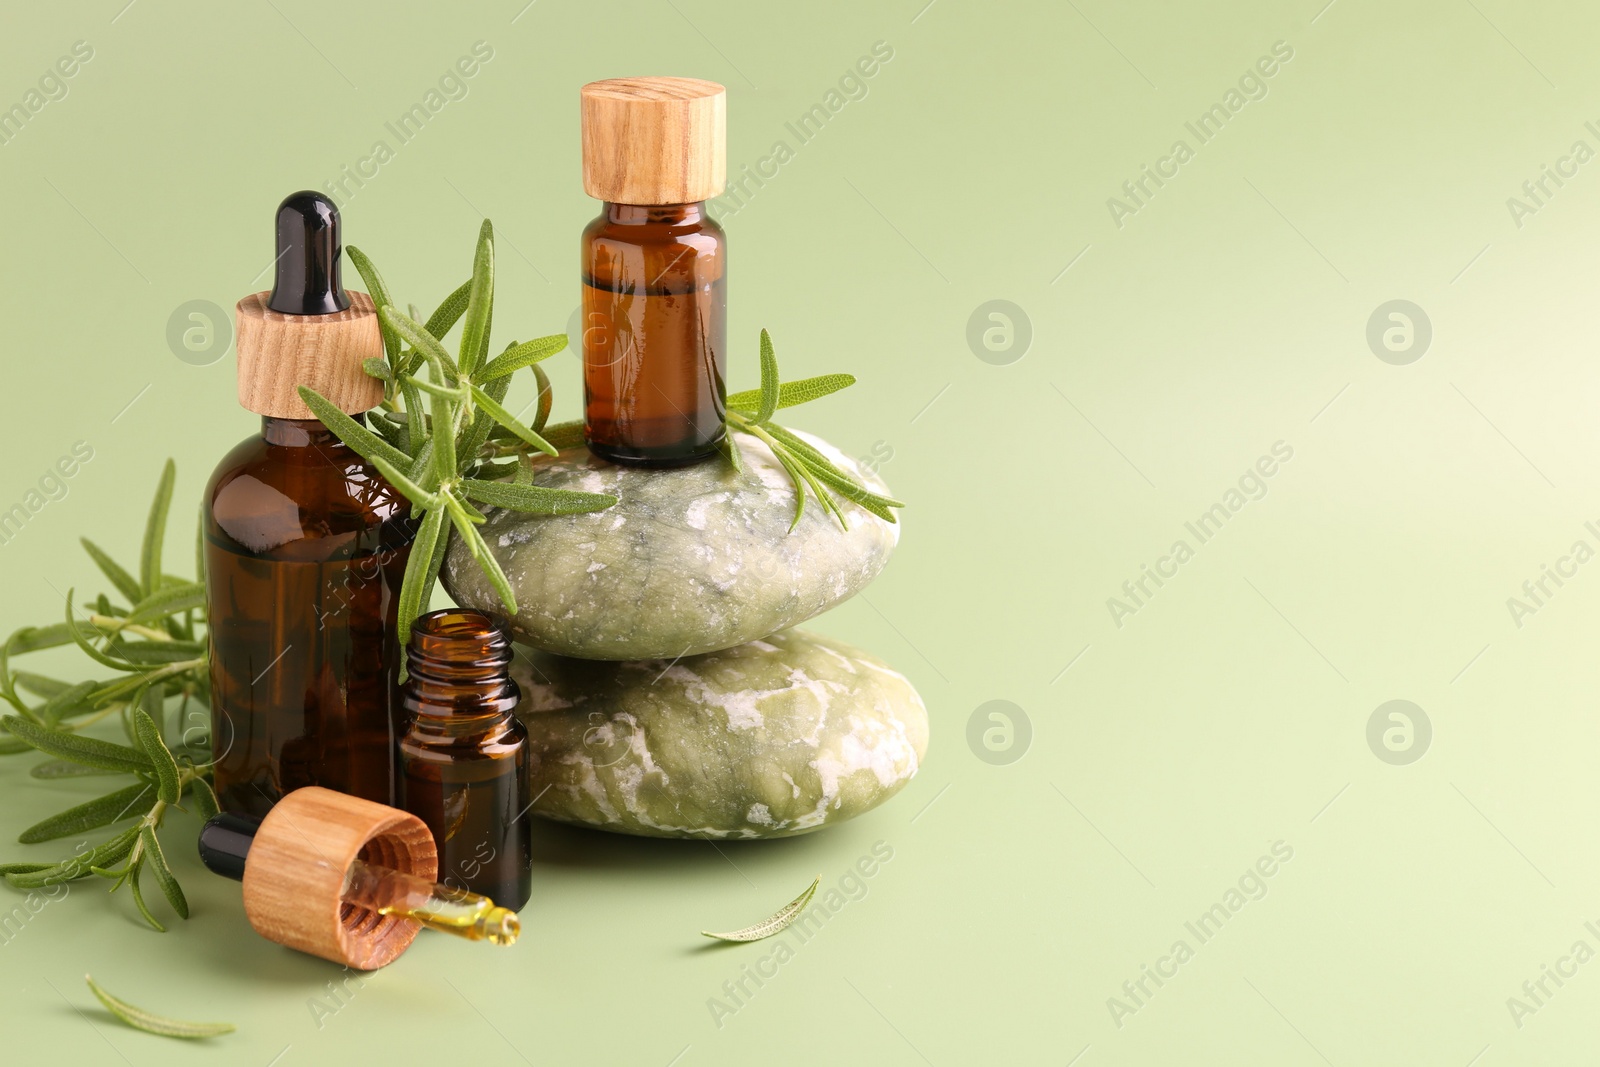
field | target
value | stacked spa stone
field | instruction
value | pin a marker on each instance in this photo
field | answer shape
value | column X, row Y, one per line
column 663, row 691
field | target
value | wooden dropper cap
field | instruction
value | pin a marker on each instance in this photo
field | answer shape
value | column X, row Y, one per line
column 296, row 869
column 307, row 330
column 654, row 140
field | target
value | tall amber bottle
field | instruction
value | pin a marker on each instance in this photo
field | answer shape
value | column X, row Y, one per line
column 654, row 312
column 464, row 766
column 305, row 545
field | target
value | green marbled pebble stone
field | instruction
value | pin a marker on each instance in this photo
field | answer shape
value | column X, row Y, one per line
column 769, row 739
column 687, row 561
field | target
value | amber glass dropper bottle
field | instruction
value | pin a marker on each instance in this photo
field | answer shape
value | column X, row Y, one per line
column 654, row 314
column 464, row 757
column 305, row 545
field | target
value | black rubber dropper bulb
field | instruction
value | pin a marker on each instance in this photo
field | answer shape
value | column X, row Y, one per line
column 307, row 280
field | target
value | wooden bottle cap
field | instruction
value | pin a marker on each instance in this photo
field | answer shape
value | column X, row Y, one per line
column 296, row 871
column 278, row 353
column 654, row 140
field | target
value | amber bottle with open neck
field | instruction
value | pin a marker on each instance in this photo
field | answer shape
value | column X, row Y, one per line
column 654, row 312
column 464, row 763
column 305, row 545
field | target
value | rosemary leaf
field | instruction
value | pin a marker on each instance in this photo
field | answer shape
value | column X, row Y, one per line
column 480, row 553
column 154, row 531
column 39, row 685
column 380, row 297
column 168, row 600
column 131, row 802
column 794, row 393
column 366, row 443
column 423, row 341
column 149, row 735
column 135, row 869
column 563, row 434
column 534, row 499
column 163, row 874
column 414, row 492
column 126, row 584
column 546, row 395
column 526, row 354
column 416, row 587
column 66, row 702
column 377, row 368
column 509, row 421
column 205, row 799
column 769, row 380
column 150, row 1023
column 52, row 769
column 80, row 749
column 449, row 310
column 480, row 302
column 778, row 922
column 77, row 866
column 729, row 448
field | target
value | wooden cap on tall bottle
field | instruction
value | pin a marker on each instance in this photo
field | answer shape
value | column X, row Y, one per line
column 307, row 331
column 654, row 140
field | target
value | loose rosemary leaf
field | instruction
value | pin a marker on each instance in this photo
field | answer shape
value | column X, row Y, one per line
column 131, row 802
column 767, row 927
column 151, row 1023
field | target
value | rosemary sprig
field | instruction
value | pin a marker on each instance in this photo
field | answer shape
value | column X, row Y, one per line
column 444, row 438
column 751, row 412
column 157, row 645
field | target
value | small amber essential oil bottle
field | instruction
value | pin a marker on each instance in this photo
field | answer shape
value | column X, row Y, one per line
column 654, row 313
column 464, row 765
column 305, row 545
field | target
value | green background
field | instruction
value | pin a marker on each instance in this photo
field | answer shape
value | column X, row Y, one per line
column 1168, row 754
